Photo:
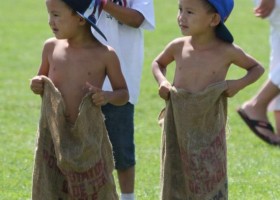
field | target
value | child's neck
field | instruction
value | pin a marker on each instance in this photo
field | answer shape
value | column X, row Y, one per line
column 202, row 44
column 82, row 41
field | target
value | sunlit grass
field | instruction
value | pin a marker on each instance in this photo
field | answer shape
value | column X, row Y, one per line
column 253, row 166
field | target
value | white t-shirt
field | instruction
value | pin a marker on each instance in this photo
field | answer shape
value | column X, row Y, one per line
column 128, row 43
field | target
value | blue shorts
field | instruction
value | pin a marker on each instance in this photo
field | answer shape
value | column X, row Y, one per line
column 120, row 127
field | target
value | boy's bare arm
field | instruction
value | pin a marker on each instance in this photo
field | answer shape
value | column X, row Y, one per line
column 36, row 83
column 124, row 15
column 159, row 73
column 119, row 95
column 47, row 49
column 159, row 66
column 253, row 67
column 160, row 63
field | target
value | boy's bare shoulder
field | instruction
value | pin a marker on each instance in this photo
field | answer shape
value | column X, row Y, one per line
column 177, row 44
column 231, row 49
column 49, row 46
column 180, row 41
column 106, row 50
column 50, row 43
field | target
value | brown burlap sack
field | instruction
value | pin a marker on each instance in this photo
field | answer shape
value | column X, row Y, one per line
column 72, row 161
column 193, row 162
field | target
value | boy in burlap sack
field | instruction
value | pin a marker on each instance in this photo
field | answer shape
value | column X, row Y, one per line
column 73, row 158
column 193, row 160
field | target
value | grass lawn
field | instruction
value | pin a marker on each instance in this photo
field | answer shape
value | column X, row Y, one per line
column 253, row 166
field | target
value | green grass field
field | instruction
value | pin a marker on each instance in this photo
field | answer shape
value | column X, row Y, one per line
column 253, row 166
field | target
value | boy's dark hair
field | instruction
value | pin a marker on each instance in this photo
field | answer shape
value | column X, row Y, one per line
column 210, row 8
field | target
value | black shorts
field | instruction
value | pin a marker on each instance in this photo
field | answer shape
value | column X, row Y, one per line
column 119, row 122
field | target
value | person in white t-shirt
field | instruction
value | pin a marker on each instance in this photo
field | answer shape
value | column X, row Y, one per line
column 268, row 98
column 123, row 22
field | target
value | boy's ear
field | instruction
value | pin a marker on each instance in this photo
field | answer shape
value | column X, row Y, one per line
column 216, row 19
column 82, row 20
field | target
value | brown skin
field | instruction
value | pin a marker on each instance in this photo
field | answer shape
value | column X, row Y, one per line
column 124, row 15
column 265, row 8
column 201, row 58
column 77, row 63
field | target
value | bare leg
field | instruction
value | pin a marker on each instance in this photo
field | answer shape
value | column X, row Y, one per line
column 277, row 122
column 126, row 180
column 256, row 108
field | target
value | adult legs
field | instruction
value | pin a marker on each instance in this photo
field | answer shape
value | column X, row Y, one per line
column 256, row 108
column 277, row 122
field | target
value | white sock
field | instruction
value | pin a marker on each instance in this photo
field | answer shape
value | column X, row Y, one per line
column 129, row 196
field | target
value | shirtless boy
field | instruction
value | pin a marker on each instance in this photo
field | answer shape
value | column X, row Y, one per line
column 203, row 57
column 195, row 115
column 77, row 62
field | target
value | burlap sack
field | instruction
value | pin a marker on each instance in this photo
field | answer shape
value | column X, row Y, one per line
column 72, row 161
column 193, row 162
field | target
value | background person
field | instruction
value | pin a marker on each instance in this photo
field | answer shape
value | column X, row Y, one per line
column 268, row 97
column 123, row 22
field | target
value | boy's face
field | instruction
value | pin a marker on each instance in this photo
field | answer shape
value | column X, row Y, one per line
column 62, row 20
column 194, row 17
